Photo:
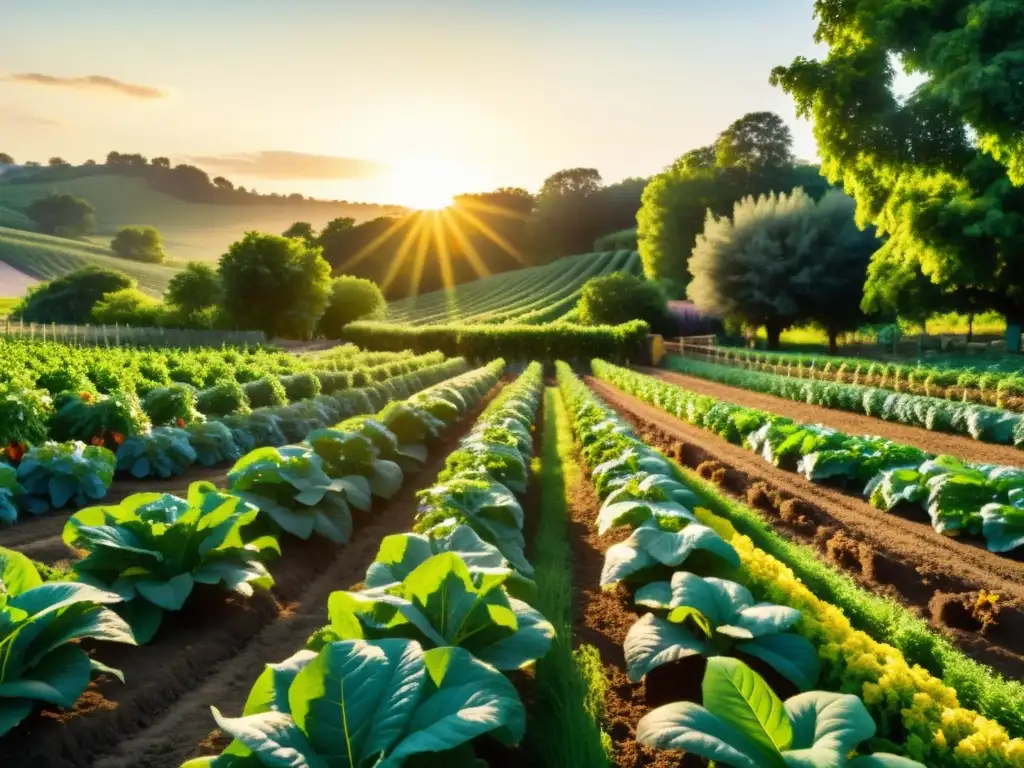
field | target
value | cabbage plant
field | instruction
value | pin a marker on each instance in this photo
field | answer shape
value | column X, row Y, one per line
column 39, row 661
column 57, row 474
column 743, row 724
column 291, row 487
column 350, row 453
column 442, row 602
column 152, row 549
column 213, row 442
column 161, row 452
column 358, row 704
column 10, row 489
column 725, row 620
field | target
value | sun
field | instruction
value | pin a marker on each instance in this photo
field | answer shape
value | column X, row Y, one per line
column 428, row 182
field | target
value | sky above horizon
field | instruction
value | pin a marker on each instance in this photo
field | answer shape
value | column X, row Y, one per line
column 366, row 100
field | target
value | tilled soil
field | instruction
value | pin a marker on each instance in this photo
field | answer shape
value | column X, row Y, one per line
column 886, row 553
column 963, row 448
column 602, row 619
column 212, row 652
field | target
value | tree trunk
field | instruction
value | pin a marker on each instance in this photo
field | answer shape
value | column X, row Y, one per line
column 970, row 327
column 833, row 345
column 773, row 331
column 1013, row 326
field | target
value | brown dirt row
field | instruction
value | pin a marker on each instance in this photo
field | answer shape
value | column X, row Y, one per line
column 602, row 619
column 211, row 653
column 964, row 448
column 936, row 577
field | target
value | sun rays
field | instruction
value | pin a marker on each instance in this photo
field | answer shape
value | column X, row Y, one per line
column 439, row 238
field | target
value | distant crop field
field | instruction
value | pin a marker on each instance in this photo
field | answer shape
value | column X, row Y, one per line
column 44, row 258
column 191, row 231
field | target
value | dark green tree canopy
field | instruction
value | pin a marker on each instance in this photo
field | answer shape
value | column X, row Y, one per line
column 783, row 259
column 71, row 297
column 139, row 244
column 63, row 215
column 352, row 298
column 6, row 159
column 195, row 288
column 301, row 229
column 619, row 298
column 753, row 156
column 275, row 284
column 939, row 173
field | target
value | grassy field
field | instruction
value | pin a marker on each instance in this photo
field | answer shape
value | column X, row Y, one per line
column 45, row 257
column 191, row 231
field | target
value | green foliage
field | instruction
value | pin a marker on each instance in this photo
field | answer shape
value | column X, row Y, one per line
column 152, row 549
column 71, row 298
column 782, row 260
column 40, row 661
column 751, row 157
column 174, row 405
column 224, row 397
column 302, row 230
column 195, row 288
column 139, row 244
column 301, row 386
column 275, row 284
column 55, row 475
column 99, row 420
column 352, row 298
column 715, row 617
column 161, row 452
column 128, row 306
column 213, row 442
column 436, row 701
column 265, row 391
column 939, row 172
column 619, row 298
column 624, row 239
column 743, row 724
column 23, row 416
column 63, row 215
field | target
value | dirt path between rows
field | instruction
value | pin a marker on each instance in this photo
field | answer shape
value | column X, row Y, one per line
column 211, row 653
column 963, row 448
column 888, row 554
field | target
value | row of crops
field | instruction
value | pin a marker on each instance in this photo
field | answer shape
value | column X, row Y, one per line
column 144, row 557
column 980, row 422
column 702, row 589
column 959, row 498
column 970, row 380
column 99, row 436
column 524, row 297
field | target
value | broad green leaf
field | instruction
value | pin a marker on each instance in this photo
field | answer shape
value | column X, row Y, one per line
column 653, row 641
column 397, row 557
column 531, row 641
column 622, row 560
column 270, row 691
column 766, row 618
column 170, row 594
column 385, row 479
column 826, row 727
column 735, row 693
column 673, row 547
column 17, row 573
column 792, row 656
column 656, row 594
column 689, row 727
column 273, row 737
column 59, row 678
column 1003, row 527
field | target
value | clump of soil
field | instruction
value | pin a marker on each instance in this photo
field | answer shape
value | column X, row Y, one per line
column 712, row 470
column 972, row 611
column 844, row 551
column 760, row 496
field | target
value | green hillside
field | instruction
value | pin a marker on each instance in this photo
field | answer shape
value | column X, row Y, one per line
column 46, row 257
column 191, row 231
column 534, row 296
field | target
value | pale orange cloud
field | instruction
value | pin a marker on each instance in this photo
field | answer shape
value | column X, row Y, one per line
column 91, row 83
column 282, row 164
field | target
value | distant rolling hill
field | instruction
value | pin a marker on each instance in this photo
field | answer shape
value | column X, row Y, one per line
column 191, row 230
column 44, row 257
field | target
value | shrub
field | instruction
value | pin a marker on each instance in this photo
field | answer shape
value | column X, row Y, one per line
column 301, row 386
column 63, row 215
column 174, row 405
column 619, row 298
column 265, row 391
column 196, row 288
column 129, row 306
column 138, row 244
column 70, row 298
column 351, row 298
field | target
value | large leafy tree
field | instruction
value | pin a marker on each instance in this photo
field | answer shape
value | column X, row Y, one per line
column 276, row 284
column 62, row 214
column 139, row 244
column 195, row 288
column 783, row 259
column 939, row 172
column 752, row 156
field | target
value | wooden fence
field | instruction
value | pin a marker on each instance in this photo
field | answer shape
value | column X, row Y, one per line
column 126, row 336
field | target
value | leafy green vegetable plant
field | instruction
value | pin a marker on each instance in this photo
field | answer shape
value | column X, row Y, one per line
column 213, row 442
column 152, row 549
column 39, row 662
column 385, row 704
column 57, row 474
column 715, row 617
column 442, row 603
column 10, row 489
column 161, row 452
column 743, row 724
